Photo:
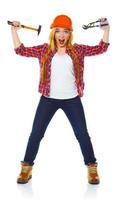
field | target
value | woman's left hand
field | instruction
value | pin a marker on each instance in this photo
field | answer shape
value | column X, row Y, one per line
column 103, row 21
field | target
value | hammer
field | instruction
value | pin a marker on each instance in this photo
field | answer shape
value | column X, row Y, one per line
column 27, row 27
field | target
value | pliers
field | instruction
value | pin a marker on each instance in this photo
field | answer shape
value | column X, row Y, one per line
column 93, row 24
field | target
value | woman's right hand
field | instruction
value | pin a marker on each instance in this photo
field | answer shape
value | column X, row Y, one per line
column 16, row 25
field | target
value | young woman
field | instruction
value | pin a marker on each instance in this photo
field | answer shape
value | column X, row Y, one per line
column 61, row 84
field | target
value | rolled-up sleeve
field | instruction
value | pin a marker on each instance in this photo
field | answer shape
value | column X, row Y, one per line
column 87, row 50
column 34, row 51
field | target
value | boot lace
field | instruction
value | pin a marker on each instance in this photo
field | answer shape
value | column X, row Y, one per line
column 92, row 169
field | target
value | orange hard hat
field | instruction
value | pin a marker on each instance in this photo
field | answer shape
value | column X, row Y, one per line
column 62, row 21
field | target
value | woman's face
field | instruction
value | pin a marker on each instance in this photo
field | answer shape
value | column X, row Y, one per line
column 62, row 36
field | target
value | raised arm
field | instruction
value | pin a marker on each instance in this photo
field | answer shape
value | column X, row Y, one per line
column 20, row 49
column 16, row 40
column 103, row 45
column 106, row 30
column 87, row 50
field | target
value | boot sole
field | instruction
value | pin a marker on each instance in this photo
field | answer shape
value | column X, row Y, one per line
column 94, row 183
column 24, row 182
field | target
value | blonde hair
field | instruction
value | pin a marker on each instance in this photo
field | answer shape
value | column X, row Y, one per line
column 52, row 46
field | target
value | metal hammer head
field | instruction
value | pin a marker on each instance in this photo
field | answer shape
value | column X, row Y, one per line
column 39, row 29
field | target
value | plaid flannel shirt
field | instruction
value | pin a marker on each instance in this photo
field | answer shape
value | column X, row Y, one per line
column 81, row 51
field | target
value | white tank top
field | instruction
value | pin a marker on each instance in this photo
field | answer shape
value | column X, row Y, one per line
column 62, row 85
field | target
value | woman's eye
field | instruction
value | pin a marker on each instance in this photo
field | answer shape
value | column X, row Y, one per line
column 57, row 31
column 66, row 31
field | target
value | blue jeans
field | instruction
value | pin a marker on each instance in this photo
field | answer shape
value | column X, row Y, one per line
column 74, row 111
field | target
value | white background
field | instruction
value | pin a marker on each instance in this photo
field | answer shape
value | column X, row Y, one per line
column 59, row 172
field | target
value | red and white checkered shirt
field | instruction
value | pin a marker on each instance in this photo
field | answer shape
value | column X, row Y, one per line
column 81, row 51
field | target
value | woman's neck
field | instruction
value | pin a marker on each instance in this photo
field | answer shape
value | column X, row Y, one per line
column 61, row 50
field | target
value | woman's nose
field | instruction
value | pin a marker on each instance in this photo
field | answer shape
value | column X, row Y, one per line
column 62, row 35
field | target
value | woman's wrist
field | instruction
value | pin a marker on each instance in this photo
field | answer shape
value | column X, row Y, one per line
column 107, row 29
column 13, row 29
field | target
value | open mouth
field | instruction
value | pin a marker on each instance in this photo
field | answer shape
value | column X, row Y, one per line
column 61, row 41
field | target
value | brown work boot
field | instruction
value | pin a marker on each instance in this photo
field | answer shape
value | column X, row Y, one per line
column 93, row 177
column 26, row 173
